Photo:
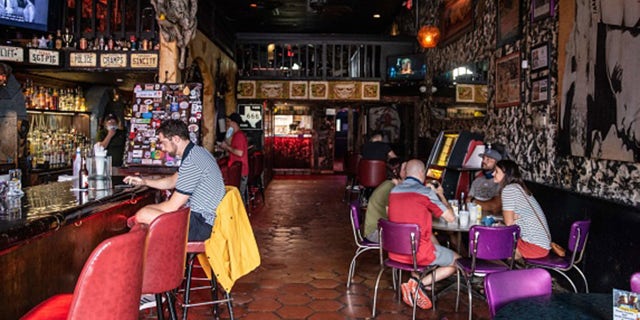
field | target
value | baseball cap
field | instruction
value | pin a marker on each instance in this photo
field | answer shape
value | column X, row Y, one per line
column 235, row 117
column 491, row 153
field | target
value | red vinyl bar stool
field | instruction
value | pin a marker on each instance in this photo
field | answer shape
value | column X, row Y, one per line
column 371, row 173
column 109, row 285
column 165, row 257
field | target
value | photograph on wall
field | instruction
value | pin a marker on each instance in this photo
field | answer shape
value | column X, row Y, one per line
column 298, row 90
column 318, row 89
column 272, row 89
column 599, row 111
column 464, row 92
column 508, row 80
column 456, row 19
column 540, row 90
column 246, row 89
column 508, row 22
column 251, row 115
column 480, row 93
column 540, row 57
column 541, row 9
column 385, row 119
column 370, row 91
column 344, row 90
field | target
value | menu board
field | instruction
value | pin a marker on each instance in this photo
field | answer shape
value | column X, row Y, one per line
column 152, row 104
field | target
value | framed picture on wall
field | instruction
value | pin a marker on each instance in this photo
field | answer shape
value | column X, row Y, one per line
column 540, row 90
column 456, row 19
column 508, row 22
column 540, row 57
column 508, row 80
column 464, row 93
column 541, row 9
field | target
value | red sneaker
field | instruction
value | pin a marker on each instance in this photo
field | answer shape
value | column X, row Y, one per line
column 423, row 300
column 407, row 294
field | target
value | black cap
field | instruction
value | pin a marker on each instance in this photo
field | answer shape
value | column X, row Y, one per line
column 111, row 116
column 235, row 117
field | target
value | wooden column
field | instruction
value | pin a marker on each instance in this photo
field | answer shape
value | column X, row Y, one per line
column 169, row 57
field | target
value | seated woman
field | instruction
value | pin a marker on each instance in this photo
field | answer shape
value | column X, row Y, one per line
column 521, row 208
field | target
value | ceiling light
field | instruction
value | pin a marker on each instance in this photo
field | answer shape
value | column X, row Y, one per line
column 253, row 5
column 376, row 15
column 428, row 36
column 119, row 80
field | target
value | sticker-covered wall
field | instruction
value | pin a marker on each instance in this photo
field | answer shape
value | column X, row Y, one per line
column 529, row 129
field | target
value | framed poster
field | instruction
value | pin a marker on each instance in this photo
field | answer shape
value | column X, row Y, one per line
column 464, row 92
column 540, row 90
column 246, row 89
column 540, row 57
column 298, row 90
column 318, row 89
column 371, row 91
column 480, row 93
column 456, row 18
column 541, row 9
column 251, row 115
column 508, row 22
column 508, row 80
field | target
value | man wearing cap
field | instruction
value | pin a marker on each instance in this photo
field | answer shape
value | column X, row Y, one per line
column 236, row 144
column 113, row 139
column 483, row 190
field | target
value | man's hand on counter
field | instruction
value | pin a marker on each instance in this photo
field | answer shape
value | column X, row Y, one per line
column 134, row 180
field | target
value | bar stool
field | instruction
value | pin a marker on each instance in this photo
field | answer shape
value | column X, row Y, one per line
column 234, row 174
column 351, row 170
column 254, row 183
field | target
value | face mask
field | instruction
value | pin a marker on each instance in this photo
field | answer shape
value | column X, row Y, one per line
column 229, row 133
column 114, row 127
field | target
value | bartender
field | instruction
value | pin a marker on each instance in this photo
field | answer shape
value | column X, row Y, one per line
column 113, row 138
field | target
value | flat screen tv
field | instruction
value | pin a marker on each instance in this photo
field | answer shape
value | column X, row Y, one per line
column 27, row 14
column 409, row 67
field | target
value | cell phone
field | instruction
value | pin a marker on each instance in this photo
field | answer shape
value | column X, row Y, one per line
column 123, row 186
column 435, row 183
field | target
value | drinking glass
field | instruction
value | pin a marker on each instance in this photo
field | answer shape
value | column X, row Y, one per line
column 464, row 218
column 15, row 182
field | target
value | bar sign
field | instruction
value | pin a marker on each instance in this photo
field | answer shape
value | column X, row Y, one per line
column 82, row 59
column 144, row 60
column 37, row 56
column 113, row 60
column 15, row 54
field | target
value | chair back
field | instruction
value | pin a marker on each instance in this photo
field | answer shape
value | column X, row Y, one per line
column 110, row 283
column 371, row 173
column 256, row 166
column 399, row 238
column 234, row 174
column 355, row 221
column 507, row 286
column 635, row 282
column 166, row 252
column 578, row 239
column 493, row 243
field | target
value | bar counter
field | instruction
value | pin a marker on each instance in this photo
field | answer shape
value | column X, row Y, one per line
column 48, row 234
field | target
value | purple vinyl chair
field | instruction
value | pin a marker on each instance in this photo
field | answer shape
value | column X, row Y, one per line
column 485, row 244
column 401, row 238
column 362, row 244
column 575, row 250
column 635, row 282
column 508, row 286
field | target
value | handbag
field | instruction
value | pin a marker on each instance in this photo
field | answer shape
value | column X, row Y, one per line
column 556, row 248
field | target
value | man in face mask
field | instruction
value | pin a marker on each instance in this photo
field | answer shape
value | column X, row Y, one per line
column 113, row 139
column 483, row 190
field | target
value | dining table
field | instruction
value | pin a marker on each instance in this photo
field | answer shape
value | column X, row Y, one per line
column 457, row 229
column 559, row 306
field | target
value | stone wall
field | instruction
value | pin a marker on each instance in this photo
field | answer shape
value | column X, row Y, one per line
column 529, row 131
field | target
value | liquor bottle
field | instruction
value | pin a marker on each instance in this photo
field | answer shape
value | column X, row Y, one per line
column 58, row 40
column 463, row 202
column 84, row 175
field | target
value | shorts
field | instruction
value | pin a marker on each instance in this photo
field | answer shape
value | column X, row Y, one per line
column 198, row 229
column 444, row 256
column 531, row 251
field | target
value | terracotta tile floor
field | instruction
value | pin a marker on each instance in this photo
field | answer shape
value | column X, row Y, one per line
column 305, row 240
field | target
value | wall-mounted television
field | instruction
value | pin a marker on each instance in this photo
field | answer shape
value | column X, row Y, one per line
column 27, row 14
column 410, row 67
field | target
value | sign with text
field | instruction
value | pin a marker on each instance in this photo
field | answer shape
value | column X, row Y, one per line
column 83, row 59
column 144, row 60
column 44, row 57
column 251, row 115
column 15, row 54
column 113, row 60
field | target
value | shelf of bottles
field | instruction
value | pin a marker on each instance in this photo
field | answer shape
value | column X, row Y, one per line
column 39, row 97
column 59, row 124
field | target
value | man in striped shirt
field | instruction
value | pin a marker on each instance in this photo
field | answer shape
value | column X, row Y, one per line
column 198, row 182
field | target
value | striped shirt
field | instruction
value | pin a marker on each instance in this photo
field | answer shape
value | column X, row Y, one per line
column 514, row 199
column 200, row 178
column 413, row 202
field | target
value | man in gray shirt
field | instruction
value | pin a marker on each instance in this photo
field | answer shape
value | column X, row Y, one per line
column 483, row 190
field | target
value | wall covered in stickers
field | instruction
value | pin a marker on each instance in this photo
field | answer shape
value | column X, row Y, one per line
column 529, row 130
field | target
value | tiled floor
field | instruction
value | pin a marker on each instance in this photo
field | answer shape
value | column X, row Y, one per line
column 304, row 235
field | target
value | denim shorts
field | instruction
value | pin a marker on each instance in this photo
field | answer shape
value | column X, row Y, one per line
column 199, row 230
column 444, row 256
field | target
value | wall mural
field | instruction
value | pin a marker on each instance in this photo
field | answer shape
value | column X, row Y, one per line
column 530, row 131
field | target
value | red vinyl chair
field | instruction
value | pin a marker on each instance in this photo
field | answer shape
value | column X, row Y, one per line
column 165, row 257
column 108, row 287
column 371, row 173
column 234, row 174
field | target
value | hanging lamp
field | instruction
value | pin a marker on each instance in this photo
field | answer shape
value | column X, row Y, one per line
column 428, row 36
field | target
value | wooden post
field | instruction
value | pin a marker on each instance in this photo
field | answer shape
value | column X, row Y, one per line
column 169, row 58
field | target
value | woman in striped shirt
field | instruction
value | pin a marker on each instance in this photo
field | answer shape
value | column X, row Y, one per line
column 521, row 208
